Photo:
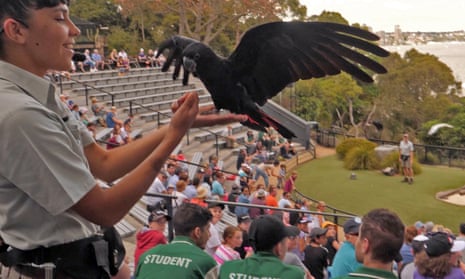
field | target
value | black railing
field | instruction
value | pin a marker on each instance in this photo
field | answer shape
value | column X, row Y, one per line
column 132, row 103
column 426, row 154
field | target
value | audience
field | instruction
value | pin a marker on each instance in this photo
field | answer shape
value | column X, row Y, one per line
column 381, row 235
column 152, row 234
column 232, row 239
column 440, row 258
column 184, row 256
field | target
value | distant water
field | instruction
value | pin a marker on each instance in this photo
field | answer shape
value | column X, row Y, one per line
column 451, row 53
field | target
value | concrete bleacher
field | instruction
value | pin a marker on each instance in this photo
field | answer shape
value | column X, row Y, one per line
column 158, row 105
column 109, row 88
column 113, row 79
column 111, row 73
column 129, row 94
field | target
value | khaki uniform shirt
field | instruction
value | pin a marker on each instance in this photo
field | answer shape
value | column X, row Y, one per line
column 43, row 170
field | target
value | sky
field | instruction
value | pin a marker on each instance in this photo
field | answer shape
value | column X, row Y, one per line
column 383, row 15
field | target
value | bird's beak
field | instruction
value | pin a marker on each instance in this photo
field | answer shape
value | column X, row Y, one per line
column 189, row 64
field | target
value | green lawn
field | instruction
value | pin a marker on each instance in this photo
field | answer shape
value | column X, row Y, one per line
column 326, row 179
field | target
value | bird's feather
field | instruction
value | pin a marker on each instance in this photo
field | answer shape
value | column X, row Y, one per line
column 271, row 56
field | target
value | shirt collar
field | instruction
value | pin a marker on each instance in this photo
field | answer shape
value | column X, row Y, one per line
column 181, row 239
column 37, row 87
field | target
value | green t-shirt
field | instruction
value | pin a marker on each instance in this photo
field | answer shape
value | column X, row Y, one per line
column 260, row 265
column 369, row 273
column 179, row 259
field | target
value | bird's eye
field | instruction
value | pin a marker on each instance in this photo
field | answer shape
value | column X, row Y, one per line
column 196, row 56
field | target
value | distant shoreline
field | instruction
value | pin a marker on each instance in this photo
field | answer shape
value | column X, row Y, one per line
column 452, row 53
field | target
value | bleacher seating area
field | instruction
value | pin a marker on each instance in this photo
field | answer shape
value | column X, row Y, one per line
column 148, row 93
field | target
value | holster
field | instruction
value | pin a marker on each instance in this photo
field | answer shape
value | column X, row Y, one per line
column 88, row 258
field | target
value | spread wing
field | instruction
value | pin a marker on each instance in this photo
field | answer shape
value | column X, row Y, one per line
column 273, row 55
column 175, row 45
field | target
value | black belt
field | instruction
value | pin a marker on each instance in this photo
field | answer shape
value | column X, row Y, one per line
column 42, row 255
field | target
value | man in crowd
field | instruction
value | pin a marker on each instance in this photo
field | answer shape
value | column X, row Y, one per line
column 345, row 262
column 380, row 238
column 184, row 257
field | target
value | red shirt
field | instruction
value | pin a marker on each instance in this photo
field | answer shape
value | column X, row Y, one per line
column 147, row 239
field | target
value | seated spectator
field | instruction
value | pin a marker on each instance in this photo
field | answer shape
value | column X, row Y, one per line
column 114, row 58
column 191, row 224
column 344, row 261
column 98, row 60
column 285, row 200
column 92, row 129
column 243, row 223
column 115, row 138
column 243, row 198
column 407, row 270
column 271, row 199
column 201, row 196
column 216, row 209
column 440, row 258
column 123, row 65
column 122, row 53
column 290, row 257
column 284, row 150
column 157, row 187
column 191, row 189
column 233, row 196
column 75, row 112
column 126, row 130
column 269, row 237
column 232, row 238
column 150, row 62
column 333, row 244
column 258, row 200
column 315, row 255
column 381, row 236
column 406, row 249
column 88, row 62
column 111, row 119
column 99, row 111
column 152, row 234
column 218, row 186
column 141, row 58
column 160, row 60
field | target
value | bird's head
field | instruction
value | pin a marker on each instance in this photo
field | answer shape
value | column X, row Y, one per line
column 195, row 56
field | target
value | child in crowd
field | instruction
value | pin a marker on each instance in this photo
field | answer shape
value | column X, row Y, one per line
column 232, row 238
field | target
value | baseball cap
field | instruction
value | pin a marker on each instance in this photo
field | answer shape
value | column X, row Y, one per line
column 317, row 231
column 458, row 246
column 304, row 220
column 327, row 224
column 243, row 218
column 419, row 225
column 261, row 193
column 418, row 243
column 171, row 186
column 157, row 215
column 438, row 244
column 351, row 226
column 266, row 231
column 215, row 204
column 292, row 231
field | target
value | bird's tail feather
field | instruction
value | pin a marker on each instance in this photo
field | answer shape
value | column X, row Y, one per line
column 262, row 120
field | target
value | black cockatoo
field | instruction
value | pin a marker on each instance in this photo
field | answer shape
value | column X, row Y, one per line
column 271, row 56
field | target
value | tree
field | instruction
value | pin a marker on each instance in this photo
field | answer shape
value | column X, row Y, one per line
column 408, row 92
column 102, row 12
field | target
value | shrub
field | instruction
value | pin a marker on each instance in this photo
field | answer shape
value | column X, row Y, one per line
column 392, row 160
column 361, row 158
column 346, row 145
